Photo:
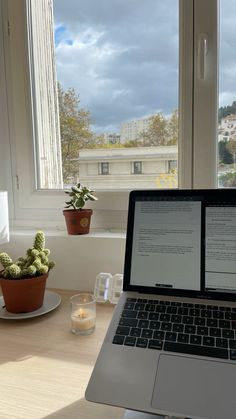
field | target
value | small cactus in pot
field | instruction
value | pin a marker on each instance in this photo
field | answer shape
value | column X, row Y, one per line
column 23, row 282
column 34, row 264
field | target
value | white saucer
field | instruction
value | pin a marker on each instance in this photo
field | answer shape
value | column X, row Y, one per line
column 51, row 301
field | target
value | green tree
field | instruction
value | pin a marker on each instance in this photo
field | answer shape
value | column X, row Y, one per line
column 231, row 146
column 225, row 155
column 75, row 132
column 162, row 131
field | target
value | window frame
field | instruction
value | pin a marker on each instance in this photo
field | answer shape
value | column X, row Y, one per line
column 197, row 147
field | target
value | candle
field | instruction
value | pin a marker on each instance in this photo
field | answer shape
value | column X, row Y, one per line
column 83, row 319
column 83, row 314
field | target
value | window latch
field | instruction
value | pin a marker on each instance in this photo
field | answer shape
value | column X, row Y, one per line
column 202, row 53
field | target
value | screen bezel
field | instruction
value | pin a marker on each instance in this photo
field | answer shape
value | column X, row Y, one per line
column 206, row 197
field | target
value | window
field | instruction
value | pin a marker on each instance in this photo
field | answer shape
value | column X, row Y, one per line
column 172, row 166
column 137, row 167
column 27, row 121
column 104, row 168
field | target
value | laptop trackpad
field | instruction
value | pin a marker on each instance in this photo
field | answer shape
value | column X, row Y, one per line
column 195, row 388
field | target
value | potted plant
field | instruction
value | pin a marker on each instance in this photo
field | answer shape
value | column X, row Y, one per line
column 23, row 282
column 78, row 218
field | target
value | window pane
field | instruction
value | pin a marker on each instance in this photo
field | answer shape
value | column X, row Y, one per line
column 227, row 97
column 117, row 71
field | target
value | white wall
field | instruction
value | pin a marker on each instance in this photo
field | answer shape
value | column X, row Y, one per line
column 78, row 258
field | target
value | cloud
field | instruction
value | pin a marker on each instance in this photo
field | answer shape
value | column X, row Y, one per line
column 122, row 57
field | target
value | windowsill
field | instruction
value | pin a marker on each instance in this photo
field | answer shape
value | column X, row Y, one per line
column 61, row 232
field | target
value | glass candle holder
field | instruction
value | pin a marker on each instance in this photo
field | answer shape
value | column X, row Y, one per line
column 83, row 314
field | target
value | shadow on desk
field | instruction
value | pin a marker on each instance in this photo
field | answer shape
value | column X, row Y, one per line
column 83, row 409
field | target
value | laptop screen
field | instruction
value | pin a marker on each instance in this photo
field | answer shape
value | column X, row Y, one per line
column 181, row 242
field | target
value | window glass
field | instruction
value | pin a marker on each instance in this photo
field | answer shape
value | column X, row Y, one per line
column 227, row 97
column 117, row 72
column 137, row 167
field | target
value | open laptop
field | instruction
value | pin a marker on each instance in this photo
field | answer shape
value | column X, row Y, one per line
column 171, row 345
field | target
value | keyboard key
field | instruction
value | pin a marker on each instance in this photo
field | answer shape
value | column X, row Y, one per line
column 212, row 322
column 187, row 320
column 183, row 311
column 208, row 341
column 128, row 322
column 229, row 334
column 135, row 331
column 166, row 326
column 171, row 310
column 142, row 315
column 201, row 330
column 129, row 306
column 155, row 325
column 178, row 327
column 200, row 321
column 218, row 315
column 232, row 344
column 221, row 343
column 215, row 332
column 164, row 303
column 165, row 317
column 159, row 335
column 139, row 306
column 171, row 336
column 150, row 307
column 224, row 324
column 206, row 313
column 160, row 309
column 147, row 333
column 230, row 316
column 141, row 343
column 118, row 340
column 233, row 355
column 196, row 339
column 122, row 330
column 131, row 314
column 153, row 316
column 187, row 305
column 190, row 329
column 131, row 299
column 196, row 350
column 130, row 341
column 155, row 344
column 144, row 324
column 183, row 338
column 234, row 325
column 194, row 312
column 142, row 300
column 176, row 318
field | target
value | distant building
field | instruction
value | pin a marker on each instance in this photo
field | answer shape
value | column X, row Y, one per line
column 129, row 168
column 132, row 129
column 227, row 128
column 112, row 138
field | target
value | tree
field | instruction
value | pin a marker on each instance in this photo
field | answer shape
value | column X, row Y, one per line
column 162, row 131
column 75, row 132
column 231, row 146
column 225, row 155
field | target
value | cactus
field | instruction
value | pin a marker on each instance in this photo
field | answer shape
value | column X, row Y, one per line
column 35, row 263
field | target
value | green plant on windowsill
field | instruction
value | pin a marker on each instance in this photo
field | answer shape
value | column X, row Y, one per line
column 77, row 217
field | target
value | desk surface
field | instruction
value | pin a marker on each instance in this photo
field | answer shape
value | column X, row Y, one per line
column 45, row 368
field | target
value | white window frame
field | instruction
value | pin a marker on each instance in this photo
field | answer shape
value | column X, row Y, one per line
column 197, row 131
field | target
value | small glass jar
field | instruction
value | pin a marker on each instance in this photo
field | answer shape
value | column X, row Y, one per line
column 83, row 314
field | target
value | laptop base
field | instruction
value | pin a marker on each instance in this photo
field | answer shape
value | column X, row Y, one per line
column 132, row 414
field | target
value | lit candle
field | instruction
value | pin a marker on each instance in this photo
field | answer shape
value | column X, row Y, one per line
column 83, row 320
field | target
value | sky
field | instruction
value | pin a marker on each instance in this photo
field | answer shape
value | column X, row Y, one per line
column 121, row 57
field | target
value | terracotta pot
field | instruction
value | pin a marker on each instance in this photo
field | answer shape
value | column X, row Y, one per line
column 23, row 295
column 78, row 221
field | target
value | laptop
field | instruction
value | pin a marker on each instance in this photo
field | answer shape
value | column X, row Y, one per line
column 170, row 348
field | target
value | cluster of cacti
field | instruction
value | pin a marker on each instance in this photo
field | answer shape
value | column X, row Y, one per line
column 35, row 263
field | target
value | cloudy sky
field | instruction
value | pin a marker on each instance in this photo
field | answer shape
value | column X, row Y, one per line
column 121, row 57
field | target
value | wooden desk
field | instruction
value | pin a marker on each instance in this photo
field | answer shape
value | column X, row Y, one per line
column 45, row 369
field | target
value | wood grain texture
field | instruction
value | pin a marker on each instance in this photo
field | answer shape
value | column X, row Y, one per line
column 44, row 368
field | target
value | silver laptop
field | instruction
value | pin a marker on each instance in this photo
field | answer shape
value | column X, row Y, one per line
column 171, row 346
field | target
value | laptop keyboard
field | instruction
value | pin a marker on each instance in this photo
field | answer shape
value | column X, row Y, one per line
column 197, row 329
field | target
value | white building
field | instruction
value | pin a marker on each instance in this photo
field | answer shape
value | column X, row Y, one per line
column 132, row 129
column 129, row 168
column 227, row 128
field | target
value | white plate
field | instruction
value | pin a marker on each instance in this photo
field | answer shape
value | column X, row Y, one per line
column 51, row 301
